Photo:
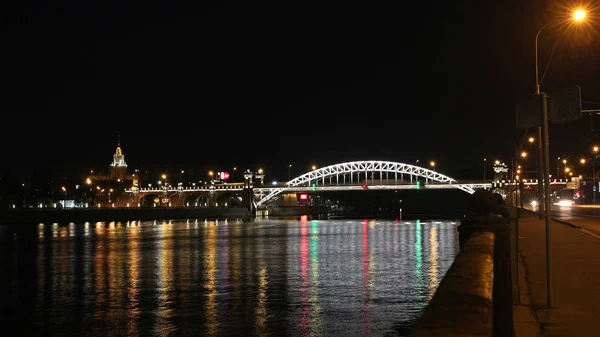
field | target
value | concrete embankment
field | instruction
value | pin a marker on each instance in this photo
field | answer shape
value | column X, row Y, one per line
column 35, row 216
column 65, row 216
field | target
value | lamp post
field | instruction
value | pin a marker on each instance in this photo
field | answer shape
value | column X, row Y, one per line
column 65, row 198
column 484, row 160
column 578, row 15
column 289, row 172
column 595, row 150
column 233, row 175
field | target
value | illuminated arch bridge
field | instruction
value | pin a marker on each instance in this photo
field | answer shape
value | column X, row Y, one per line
column 375, row 174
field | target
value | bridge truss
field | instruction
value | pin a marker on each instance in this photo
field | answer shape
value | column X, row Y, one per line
column 351, row 173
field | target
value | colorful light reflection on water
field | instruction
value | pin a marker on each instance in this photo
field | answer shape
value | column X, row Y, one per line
column 264, row 278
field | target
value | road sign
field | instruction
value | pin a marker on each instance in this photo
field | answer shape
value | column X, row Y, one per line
column 529, row 112
column 564, row 105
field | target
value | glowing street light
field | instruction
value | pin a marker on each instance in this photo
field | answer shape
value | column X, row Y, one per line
column 579, row 15
column 65, row 199
column 432, row 164
column 314, row 167
column 531, row 139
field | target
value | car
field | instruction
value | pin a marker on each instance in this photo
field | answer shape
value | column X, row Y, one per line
column 567, row 197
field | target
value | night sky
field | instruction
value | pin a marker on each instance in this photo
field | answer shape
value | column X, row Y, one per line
column 211, row 85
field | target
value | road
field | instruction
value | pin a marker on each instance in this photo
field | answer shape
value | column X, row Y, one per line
column 587, row 217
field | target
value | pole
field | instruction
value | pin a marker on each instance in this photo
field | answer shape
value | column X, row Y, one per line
column 594, row 179
column 484, row 159
column 547, row 197
column 546, row 169
column 540, row 175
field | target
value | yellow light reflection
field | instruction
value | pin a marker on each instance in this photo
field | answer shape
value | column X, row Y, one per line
column 134, row 238
column 262, row 329
column 433, row 261
column 115, row 278
column 101, row 279
column 163, row 325
column 212, row 322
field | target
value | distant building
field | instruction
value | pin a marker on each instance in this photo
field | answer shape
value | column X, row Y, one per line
column 500, row 171
column 117, row 170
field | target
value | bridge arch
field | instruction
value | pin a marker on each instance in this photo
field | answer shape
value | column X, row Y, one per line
column 358, row 167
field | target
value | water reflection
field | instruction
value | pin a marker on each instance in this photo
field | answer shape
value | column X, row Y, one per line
column 134, row 312
column 366, row 280
column 210, row 286
column 433, row 260
column 189, row 278
column 163, row 325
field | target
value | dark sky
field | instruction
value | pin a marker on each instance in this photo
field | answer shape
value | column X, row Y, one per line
column 211, row 85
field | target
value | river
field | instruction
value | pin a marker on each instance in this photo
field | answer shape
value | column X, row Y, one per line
column 297, row 277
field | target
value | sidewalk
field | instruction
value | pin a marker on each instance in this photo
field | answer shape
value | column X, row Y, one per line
column 575, row 279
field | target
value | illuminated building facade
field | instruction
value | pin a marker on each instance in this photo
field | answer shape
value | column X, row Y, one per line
column 117, row 170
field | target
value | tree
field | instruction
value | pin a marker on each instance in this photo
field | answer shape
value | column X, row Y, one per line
column 10, row 189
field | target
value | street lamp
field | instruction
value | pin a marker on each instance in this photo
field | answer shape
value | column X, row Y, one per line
column 578, row 15
column 289, row 174
column 65, row 198
column 210, row 174
column 484, row 160
column 164, row 176
column 432, row 164
column 595, row 150
column 314, row 167
column 233, row 175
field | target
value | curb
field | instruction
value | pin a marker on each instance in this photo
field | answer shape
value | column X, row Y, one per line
column 566, row 223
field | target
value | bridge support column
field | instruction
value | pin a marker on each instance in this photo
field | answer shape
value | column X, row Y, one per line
column 248, row 193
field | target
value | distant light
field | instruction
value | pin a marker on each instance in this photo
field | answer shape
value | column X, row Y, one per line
column 534, row 203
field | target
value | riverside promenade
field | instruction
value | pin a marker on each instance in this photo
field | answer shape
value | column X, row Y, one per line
column 575, row 277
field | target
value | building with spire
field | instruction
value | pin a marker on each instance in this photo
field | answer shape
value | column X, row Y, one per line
column 118, row 167
column 117, row 170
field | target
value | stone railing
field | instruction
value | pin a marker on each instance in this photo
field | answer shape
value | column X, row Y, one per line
column 463, row 302
column 475, row 297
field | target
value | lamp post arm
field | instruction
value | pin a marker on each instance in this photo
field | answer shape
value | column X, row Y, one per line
column 537, row 76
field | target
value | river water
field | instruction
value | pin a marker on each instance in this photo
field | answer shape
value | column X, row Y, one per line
column 297, row 277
